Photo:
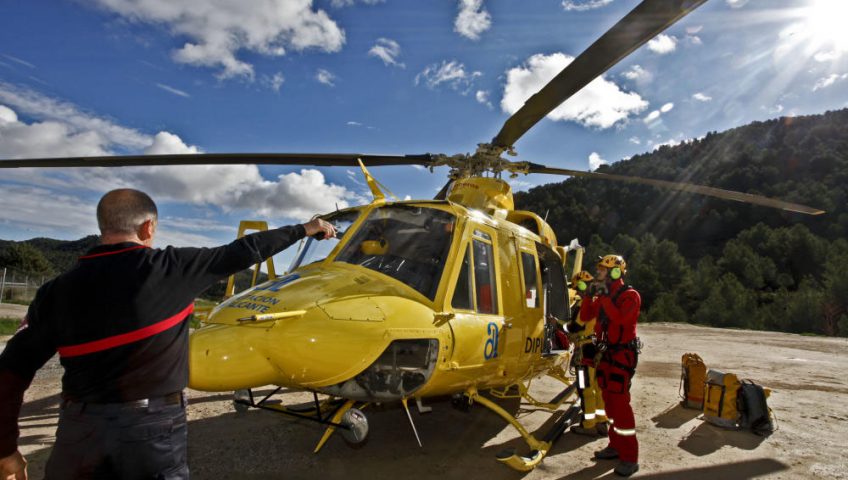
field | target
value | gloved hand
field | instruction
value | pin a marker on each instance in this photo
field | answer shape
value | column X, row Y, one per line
column 574, row 327
column 598, row 288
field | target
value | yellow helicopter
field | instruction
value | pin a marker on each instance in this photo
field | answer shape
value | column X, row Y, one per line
column 421, row 298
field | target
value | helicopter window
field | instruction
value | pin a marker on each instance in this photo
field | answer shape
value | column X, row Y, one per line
column 484, row 278
column 531, row 289
column 462, row 293
column 313, row 250
column 553, row 281
column 407, row 243
column 483, row 235
column 530, row 224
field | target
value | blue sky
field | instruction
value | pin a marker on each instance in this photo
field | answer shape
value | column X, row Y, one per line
column 89, row 77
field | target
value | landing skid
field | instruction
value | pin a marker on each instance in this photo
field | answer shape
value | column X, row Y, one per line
column 333, row 412
column 538, row 448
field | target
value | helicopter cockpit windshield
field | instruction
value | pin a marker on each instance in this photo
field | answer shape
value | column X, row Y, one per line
column 407, row 243
column 313, row 250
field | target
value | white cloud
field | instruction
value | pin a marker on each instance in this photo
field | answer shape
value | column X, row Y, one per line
column 274, row 82
column 7, row 115
column 694, row 40
column 43, row 211
column 662, row 44
column 348, row 3
column 828, row 56
column 654, row 115
column 635, row 140
column 736, row 3
column 165, row 143
column 600, row 104
column 41, row 107
column 452, row 74
column 472, row 19
column 293, row 195
column 668, row 143
column 828, row 81
column 638, row 74
column 354, row 124
column 482, row 96
column 386, row 50
column 19, row 61
column 173, row 90
column 702, row 97
column 583, row 5
column 325, row 77
column 45, row 139
column 694, row 29
column 217, row 31
column 596, row 161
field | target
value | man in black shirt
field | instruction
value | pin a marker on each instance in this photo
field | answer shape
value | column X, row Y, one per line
column 118, row 321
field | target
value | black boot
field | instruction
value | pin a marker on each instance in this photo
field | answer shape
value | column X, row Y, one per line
column 625, row 469
column 606, row 454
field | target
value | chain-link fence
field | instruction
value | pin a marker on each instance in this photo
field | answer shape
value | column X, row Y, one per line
column 18, row 286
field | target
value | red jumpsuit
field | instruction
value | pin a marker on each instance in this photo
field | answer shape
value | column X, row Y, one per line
column 617, row 366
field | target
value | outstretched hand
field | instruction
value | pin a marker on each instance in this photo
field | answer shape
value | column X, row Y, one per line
column 13, row 467
column 319, row 229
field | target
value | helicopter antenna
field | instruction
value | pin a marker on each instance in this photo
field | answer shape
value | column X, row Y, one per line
column 409, row 416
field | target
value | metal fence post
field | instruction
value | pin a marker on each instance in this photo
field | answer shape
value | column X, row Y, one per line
column 2, row 284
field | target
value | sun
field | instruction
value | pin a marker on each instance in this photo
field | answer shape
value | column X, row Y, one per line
column 826, row 24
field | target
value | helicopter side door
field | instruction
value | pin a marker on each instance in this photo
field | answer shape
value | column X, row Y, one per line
column 478, row 321
column 531, row 318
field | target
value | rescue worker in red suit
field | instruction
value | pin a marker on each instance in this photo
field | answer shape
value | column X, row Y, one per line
column 616, row 306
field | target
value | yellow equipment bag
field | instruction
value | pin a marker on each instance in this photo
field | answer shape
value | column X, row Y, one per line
column 692, row 379
column 720, row 393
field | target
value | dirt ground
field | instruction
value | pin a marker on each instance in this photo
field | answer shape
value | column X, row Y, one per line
column 810, row 399
column 11, row 310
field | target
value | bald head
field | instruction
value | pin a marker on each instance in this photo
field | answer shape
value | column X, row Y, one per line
column 123, row 211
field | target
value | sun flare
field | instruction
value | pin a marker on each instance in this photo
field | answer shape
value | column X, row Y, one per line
column 826, row 23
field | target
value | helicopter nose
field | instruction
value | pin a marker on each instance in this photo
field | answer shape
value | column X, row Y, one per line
column 311, row 351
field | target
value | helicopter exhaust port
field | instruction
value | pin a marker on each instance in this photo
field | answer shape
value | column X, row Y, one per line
column 404, row 367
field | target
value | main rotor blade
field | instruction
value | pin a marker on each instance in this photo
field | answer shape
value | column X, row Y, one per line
column 683, row 187
column 313, row 159
column 648, row 19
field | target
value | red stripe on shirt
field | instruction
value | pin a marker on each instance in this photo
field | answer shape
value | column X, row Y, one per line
column 125, row 338
column 112, row 253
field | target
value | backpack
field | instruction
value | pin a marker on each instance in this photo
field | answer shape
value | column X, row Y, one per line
column 720, row 392
column 693, row 375
column 756, row 414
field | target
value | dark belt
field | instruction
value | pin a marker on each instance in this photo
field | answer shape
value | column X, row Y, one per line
column 154, row 403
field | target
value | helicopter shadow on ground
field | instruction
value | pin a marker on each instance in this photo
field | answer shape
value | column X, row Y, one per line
column 706, row 439
column 674, row 417
column 263, row 444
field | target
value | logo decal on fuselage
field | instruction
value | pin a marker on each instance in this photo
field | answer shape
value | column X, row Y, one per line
column 490, row 351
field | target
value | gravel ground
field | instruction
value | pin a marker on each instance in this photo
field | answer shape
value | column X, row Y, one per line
column 810, row 399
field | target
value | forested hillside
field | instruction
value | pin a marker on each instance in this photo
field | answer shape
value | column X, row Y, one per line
column 719, row 262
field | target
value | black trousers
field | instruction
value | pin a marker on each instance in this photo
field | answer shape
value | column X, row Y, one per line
column 116, row 442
